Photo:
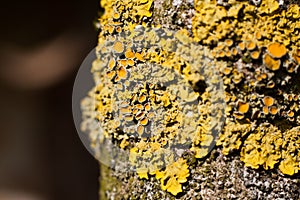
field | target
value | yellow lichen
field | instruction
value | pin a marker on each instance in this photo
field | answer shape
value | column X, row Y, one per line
column 268, row 6
column 231, row 138
column 262, row 148
column 148, row 83
column 290, row 163
column 173, row 176
column 232, row 37
column 142, row 172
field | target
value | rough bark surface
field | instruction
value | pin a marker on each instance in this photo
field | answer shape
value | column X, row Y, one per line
column 223, row 174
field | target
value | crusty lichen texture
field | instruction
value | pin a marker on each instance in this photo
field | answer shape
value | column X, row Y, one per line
column 157, row 100
column 260, row 44
column 156, row 95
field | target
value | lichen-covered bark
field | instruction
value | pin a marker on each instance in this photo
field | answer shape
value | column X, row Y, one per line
column 218, row 177
column 255, row 47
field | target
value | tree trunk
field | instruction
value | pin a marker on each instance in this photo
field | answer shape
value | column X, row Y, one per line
column 253, row 157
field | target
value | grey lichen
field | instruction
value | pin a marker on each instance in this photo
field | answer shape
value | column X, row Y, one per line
column 173, row 14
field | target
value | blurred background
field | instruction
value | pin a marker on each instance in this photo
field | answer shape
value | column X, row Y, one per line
column 42, row 44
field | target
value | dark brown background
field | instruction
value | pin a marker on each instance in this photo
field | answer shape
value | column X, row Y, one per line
column 42, row 44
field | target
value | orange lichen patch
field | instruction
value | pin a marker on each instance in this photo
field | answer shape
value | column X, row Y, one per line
column 116, row 15
column 144, row 122
column 265, row 110
column 227, row 98
column 242, row 46
column 271, row 63
column 251, row 45
column 112, row 63
column 142, row 98
column 237, row 77
column 234, row 51
column 130, row 62
column 276, row 50
column 290, row 113
column 255, row 54
column 119, row 29
column 135, row 111
column 140, row 56
column 122, row 73
column 147, row 106
column 228, row 53
column 209, row 16
column 220, row 46
column 264, row 75
column 118, row 47
column 229, row 42
column 258, row 78
column 258, row 35
column 243, row 107
column 273, row 110
column 268, row 101
column 122, row 62
column 213, row 54
column 111, row 74
column 139, row 106
column 221, row 54
column 129, row 54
